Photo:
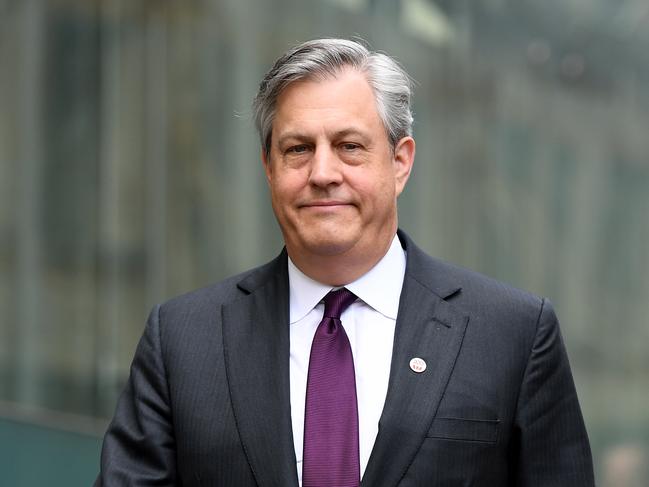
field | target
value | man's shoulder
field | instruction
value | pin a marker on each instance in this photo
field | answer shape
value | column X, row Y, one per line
column 465, row 287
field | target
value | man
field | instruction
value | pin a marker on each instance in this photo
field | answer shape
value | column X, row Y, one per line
column 413, row 372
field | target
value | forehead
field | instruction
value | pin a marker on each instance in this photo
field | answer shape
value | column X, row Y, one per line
column 327, row 103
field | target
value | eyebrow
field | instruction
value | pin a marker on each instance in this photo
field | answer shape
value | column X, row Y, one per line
column 291, row 135
column 349, row 131
column 336, row 135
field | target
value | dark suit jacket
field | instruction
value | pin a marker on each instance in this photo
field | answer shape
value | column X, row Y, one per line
column 207, row 401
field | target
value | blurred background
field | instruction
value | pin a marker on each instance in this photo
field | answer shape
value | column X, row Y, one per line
column 129, row 172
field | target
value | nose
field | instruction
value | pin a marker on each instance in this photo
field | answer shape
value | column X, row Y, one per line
column 326, row 167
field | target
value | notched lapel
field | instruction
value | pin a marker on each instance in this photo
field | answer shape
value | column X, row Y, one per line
column 432, row 329
column 256, row 347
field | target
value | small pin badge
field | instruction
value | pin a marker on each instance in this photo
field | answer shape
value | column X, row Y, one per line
column 417, row 365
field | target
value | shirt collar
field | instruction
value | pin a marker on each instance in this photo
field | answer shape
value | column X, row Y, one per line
column 380, row 287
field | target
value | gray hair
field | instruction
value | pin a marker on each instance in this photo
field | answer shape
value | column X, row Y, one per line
column 324, row 58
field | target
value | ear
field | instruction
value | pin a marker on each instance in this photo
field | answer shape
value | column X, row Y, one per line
column 404, row 158
column 265, row 160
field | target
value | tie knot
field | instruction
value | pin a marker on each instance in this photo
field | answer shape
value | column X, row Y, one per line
column 338, row 301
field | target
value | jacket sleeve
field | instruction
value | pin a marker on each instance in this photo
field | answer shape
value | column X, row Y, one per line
column 550, row 441
column 139, row 446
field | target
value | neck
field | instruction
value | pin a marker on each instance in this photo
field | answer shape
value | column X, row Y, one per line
column 338, row 270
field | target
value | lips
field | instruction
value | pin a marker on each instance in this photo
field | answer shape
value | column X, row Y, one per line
column 324, row 204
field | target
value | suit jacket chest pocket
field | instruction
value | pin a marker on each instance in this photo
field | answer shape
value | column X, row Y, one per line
column 461, row 429
column 459, row 452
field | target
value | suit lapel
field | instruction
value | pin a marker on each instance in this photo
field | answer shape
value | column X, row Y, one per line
column 256, row 348
column 429, row 328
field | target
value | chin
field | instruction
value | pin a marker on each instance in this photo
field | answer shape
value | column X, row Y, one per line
column 328, row 245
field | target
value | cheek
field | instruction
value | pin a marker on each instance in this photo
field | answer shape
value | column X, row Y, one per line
column 284, row 190
column 379, row 187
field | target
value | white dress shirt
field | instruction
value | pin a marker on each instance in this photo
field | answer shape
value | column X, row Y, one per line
column 369, row 323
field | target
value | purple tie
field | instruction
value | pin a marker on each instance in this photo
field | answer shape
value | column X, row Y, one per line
column 331, row 457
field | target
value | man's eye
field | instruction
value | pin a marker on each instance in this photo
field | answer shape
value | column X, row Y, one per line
column 350, row 146
column 297, row 149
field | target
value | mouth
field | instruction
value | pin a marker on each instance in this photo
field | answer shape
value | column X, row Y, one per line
column 326, row 204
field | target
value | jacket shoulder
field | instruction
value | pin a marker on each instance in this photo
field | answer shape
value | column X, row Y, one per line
column 472, row 291
column 482, row 286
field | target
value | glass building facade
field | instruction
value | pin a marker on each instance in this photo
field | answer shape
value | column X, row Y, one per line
column 130, row 172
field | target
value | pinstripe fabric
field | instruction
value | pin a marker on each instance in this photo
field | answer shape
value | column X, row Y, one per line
column 207, row 402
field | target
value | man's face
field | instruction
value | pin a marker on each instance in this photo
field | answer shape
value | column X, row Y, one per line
column 333, row 177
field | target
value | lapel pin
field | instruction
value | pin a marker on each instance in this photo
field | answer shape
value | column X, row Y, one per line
column 417, row 365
